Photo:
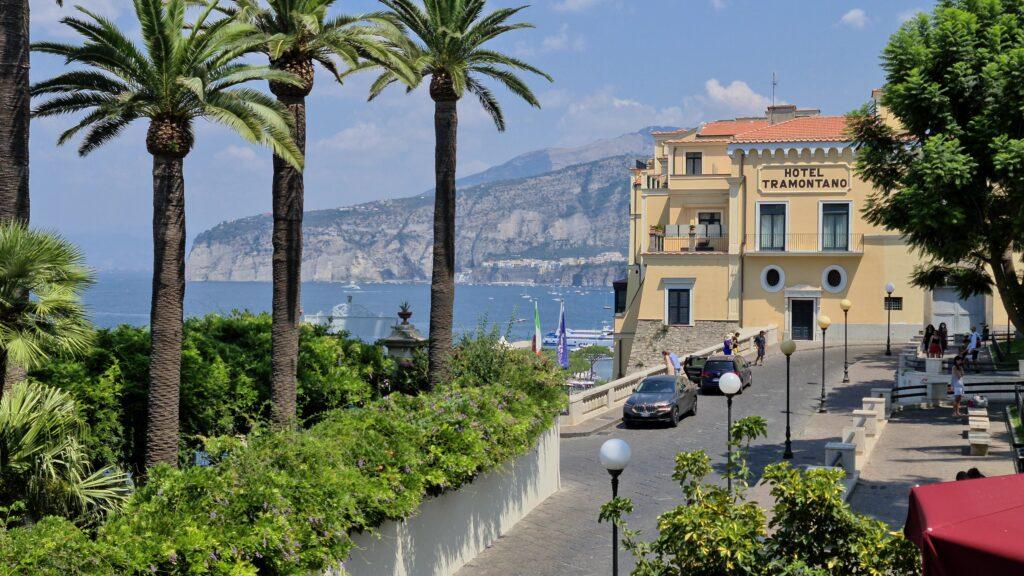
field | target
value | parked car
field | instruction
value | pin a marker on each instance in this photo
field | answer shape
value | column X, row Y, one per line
column 720, row 364
column 660, row 399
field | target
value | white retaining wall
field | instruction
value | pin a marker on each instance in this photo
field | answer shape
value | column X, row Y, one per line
column 452, row 529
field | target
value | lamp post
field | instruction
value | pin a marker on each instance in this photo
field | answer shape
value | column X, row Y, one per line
column 788, row 347
column 846, row 305
column 730, row 385
column 889, row 289
column 824, row 322
column 614, row 457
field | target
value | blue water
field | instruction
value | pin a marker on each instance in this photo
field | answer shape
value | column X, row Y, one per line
column 123, row 298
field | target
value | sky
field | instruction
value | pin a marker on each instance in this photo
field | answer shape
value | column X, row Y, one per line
column 618, row 66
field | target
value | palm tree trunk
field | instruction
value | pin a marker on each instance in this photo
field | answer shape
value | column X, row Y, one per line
column 14, row 110
column 442, row 280
column 287, row 272
column 166, row 314
column 14, row 121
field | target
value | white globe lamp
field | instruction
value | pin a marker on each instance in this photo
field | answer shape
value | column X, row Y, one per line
column 730, row 383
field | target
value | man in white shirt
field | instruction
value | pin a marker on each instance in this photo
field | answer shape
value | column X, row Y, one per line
column 973, row 345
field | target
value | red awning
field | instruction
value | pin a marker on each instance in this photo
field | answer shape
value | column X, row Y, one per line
column 970, row 526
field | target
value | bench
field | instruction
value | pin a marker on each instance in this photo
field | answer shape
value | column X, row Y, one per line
column 978, row 424
column 980, row 442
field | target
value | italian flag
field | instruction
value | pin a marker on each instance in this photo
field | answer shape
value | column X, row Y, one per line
column 537, row 338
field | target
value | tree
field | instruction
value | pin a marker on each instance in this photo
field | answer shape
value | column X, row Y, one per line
column 43, row 469
column 51, row 320
column 949, row 176
column 187, row 71
column 446, row 44
column 294, row 34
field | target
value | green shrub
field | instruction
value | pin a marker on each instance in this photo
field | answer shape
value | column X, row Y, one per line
column 285, row 502
column 225, row 382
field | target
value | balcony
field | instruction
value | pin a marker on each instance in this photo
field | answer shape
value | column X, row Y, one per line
column 697, row 244
column 811, row 244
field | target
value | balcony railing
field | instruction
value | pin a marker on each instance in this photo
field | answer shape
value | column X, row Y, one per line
column 696, row 243
column 823, row 243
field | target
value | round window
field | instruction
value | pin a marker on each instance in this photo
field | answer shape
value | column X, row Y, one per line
column 773, row 278
column 833, row 279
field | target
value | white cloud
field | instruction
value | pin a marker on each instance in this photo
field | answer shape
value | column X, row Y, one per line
column 47, row 14
column 855, row 18
column 908, row 14
column 719, row 4
column 241, row 155
column 575, row 5
column 736, row 97
column 564, row 40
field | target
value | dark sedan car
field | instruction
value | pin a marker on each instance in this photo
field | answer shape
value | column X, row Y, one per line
column 660, row 399
column 720, row 364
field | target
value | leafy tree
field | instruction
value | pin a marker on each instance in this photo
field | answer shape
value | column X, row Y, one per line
column 186, row 71
column 294, row 34
column 949, row 175
column 446, row 44
column 43, row 469
column 585, row 358
column 50, row 271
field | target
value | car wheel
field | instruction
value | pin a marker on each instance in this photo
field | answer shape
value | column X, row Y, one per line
column 693, row 409
column 674, row 418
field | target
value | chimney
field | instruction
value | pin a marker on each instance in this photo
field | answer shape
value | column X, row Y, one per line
column 780, row 113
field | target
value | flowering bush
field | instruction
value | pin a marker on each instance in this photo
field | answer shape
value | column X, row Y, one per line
column 285, row 502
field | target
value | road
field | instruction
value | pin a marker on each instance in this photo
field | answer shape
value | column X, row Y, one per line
column 562, row 537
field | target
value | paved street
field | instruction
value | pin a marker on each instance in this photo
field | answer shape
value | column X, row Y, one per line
column 562, row 537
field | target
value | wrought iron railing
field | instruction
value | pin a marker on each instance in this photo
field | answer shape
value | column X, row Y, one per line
column 805, row 243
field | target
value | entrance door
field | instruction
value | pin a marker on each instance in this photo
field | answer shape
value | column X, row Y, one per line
column 802, row 314
column 958, row 314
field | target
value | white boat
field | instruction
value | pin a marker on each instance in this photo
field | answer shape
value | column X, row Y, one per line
column 352, row 285
column 576, row 339
column 356, row 320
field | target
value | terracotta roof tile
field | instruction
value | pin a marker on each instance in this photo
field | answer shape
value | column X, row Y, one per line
column 807, row 129
column 731, row 127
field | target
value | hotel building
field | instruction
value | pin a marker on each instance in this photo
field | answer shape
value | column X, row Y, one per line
column 756, row 222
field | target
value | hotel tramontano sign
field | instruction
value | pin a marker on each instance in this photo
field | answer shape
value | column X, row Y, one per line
column 818, row 178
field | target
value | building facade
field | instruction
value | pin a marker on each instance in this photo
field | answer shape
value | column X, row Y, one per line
column 756, row 222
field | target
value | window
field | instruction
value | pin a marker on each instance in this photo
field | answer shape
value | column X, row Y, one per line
column 773, row 278
column 710, row 224
column 835, row 226
column 833, row 279
column 772, row 227
column 693, row 163
column 678, row 306
column 894, row 302
column 620, row 296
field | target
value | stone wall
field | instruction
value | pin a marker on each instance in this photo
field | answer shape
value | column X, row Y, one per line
column 652, row 336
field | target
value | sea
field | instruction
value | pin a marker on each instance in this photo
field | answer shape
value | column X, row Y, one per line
column 123, row 298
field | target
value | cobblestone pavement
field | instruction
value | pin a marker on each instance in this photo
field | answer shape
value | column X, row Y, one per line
column 562, row 537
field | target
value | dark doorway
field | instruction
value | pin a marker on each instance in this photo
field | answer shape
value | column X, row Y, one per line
column 802, row 312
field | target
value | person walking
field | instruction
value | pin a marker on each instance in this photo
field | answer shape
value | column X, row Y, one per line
column 727, row 346
column 935, row 346
column 973, row 347
column 760, row 344
column 926, row 341
column 672, row 365
column 943, row 338
column 736, row 343
column 957, row 384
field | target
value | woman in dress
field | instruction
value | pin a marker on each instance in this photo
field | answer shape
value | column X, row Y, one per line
column 935, row 346
column 943, row 337
column 929, row 331
column 957, row 383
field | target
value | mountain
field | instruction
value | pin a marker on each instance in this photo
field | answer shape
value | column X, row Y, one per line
column 556, row 216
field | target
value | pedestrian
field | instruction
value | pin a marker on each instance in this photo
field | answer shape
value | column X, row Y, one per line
column 736, row 343
column 927, row 340
column 935, row 346
column 973, row 346
column 957, row 384
column 727, row 346
column 943, row 337
column 672, row 365
column 760, row 344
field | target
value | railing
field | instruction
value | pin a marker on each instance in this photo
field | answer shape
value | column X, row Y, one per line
column 695, row 243
column 805, row 243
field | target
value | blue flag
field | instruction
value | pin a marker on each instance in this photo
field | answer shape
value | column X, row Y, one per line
column 563, row 348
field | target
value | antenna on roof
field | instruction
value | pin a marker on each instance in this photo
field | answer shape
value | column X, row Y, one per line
column 775, row 83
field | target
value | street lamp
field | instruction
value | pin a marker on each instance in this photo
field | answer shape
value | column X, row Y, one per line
column 889, row 289
column 846, row 305
column 824, row 322
column 730, row 385
column 614, row 457
column 788, row 347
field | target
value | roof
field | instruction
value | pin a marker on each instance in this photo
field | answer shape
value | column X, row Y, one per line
column 732, row 127
column 804, row 129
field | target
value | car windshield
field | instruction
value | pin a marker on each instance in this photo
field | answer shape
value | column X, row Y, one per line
column 655, row 385
column 719, row 366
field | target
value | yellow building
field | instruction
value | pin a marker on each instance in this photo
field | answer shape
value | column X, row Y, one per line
column 757, row 222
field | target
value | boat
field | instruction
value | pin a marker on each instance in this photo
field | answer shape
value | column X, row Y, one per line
column 576, row 339
column 355, row 320
column 352, row 285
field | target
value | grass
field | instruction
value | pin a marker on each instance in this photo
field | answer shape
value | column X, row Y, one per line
column 1015, row 423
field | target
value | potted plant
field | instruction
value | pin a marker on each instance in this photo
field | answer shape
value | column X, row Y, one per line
column 404, row 312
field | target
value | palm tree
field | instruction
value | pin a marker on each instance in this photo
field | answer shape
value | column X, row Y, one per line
column 294, row 34
column 42, row 464
column 50, row 270
column 187, row 71
column 446, row 45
